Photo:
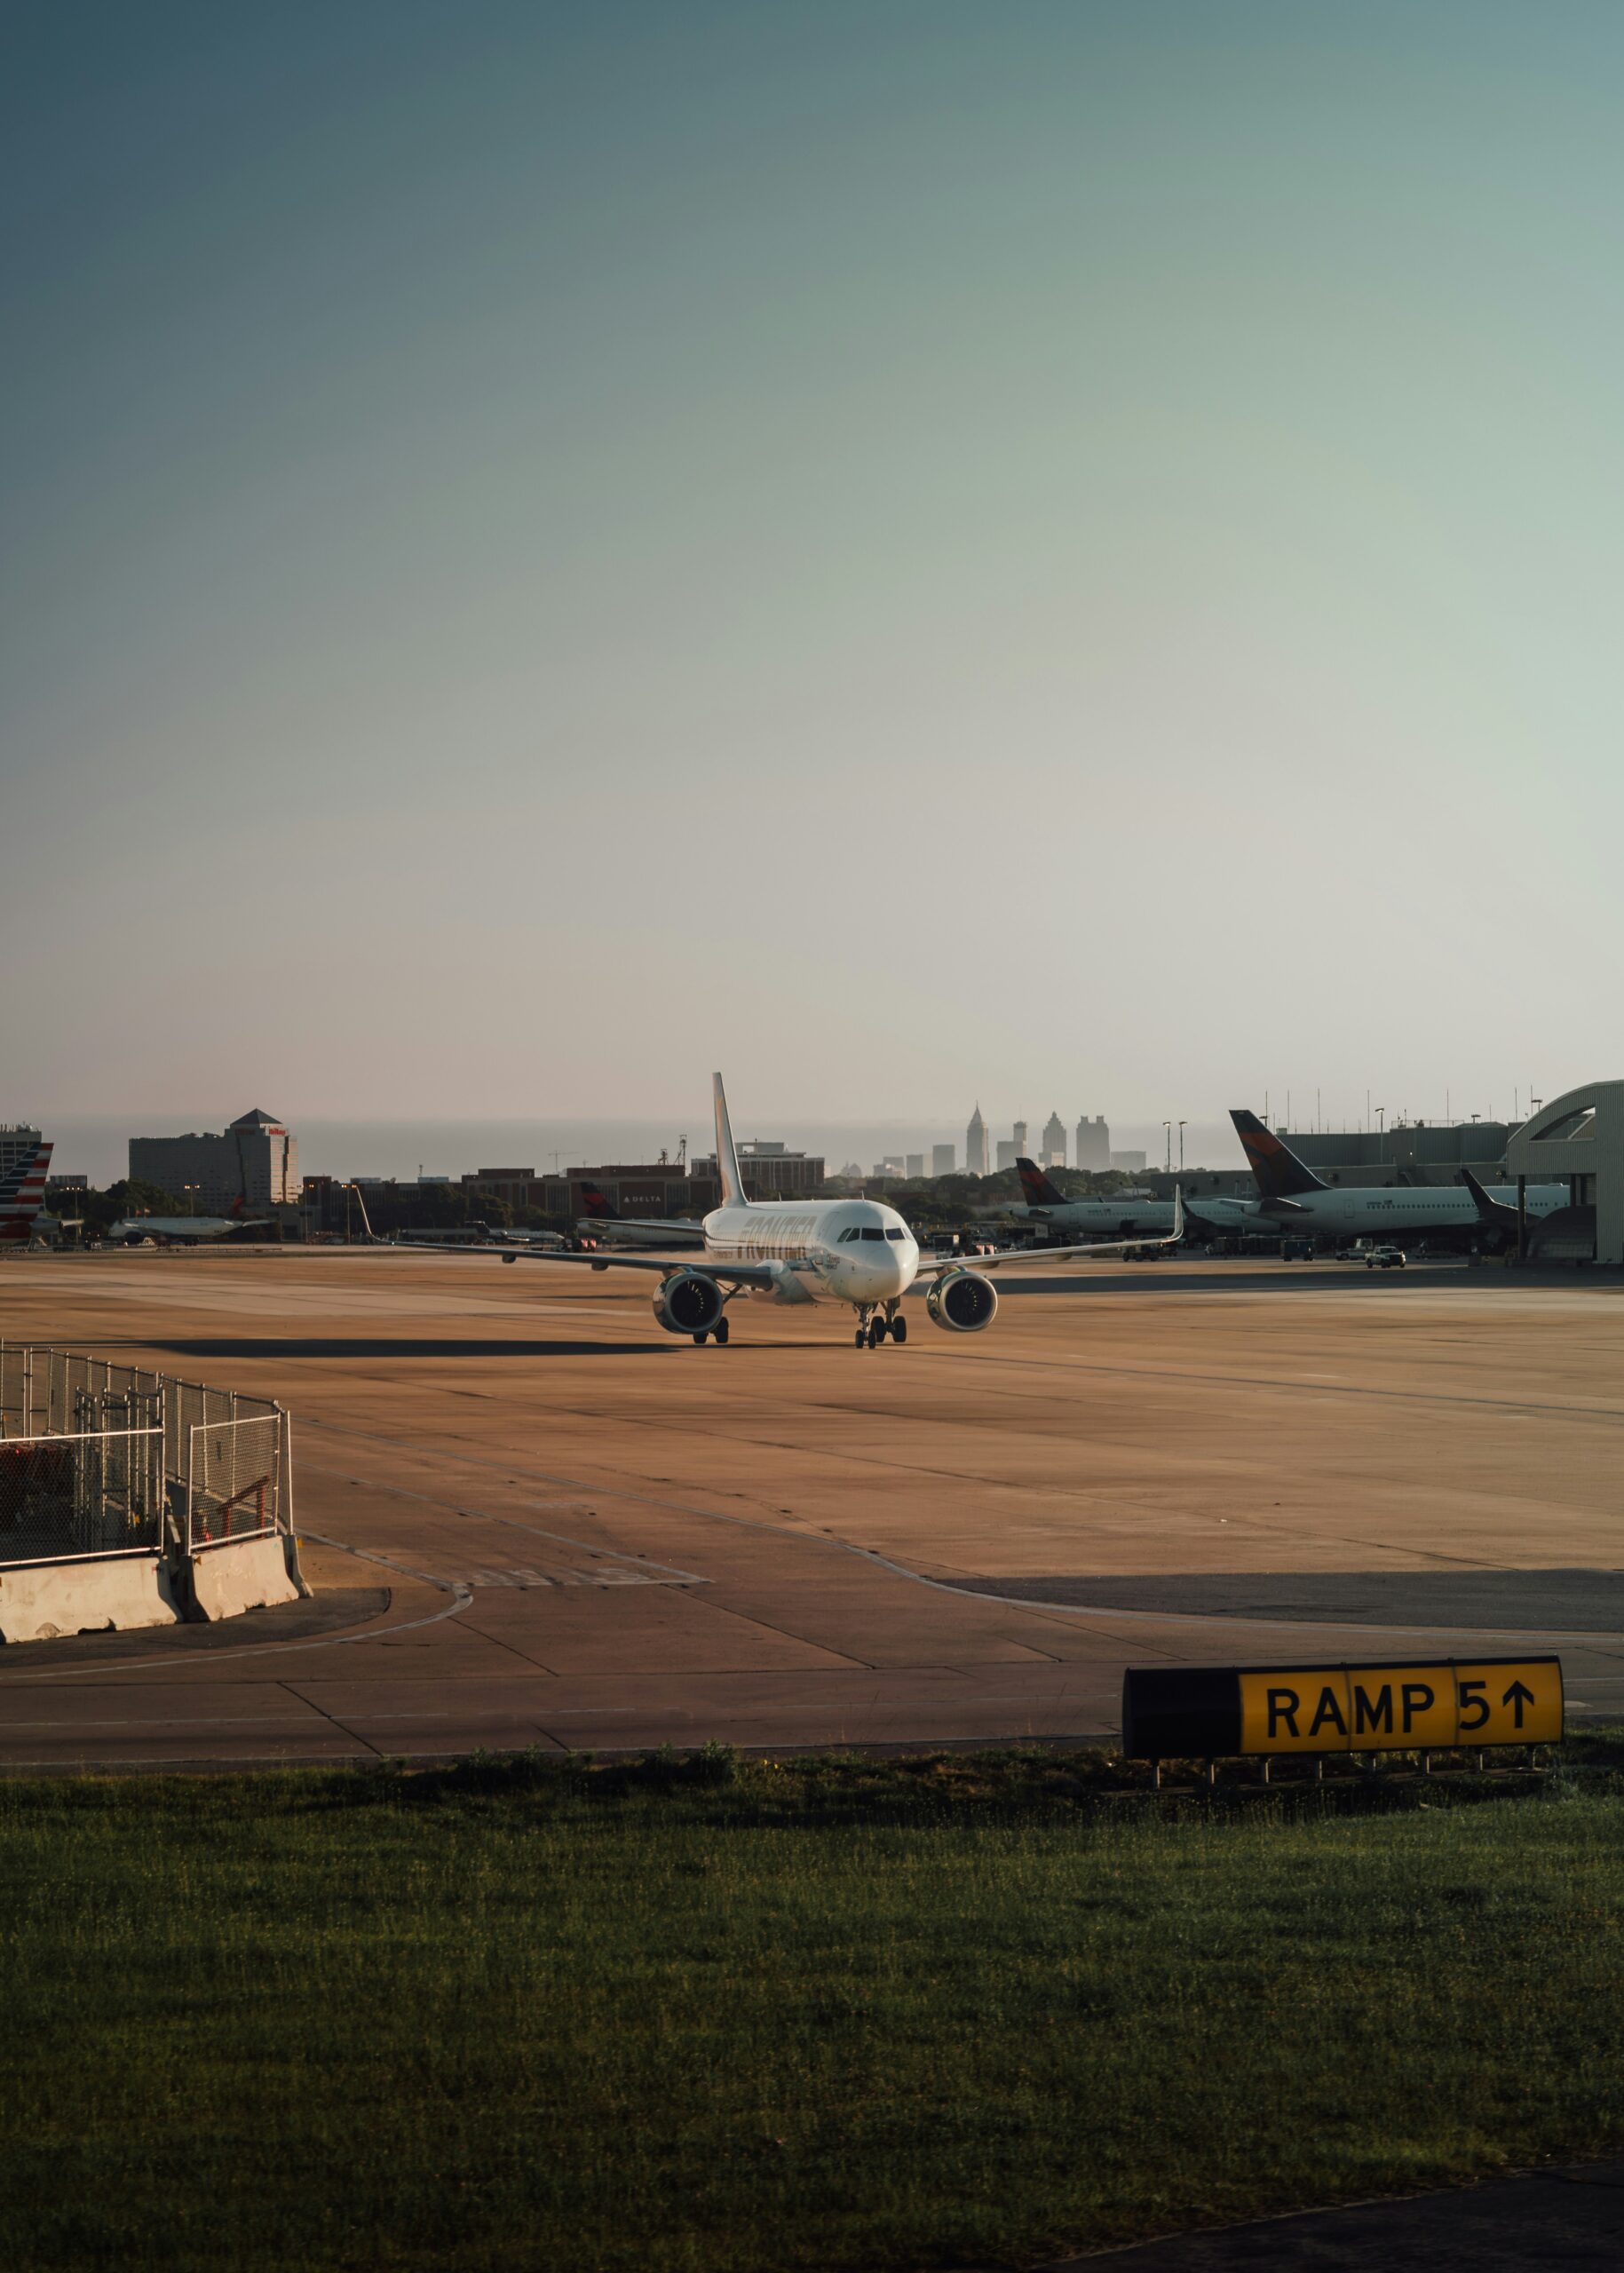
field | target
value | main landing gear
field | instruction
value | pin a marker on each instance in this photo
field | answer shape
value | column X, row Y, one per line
column 872, row 1330
column 718, row 1333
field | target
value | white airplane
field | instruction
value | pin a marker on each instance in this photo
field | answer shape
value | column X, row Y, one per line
column 1130, row 1215
column 1292, row 1198
column 854, row 1252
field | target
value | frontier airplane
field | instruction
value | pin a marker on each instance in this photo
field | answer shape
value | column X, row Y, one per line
column 854, row 1252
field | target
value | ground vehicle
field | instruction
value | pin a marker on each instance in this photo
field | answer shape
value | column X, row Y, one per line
column 1296, row 1250
column 1384, row 1258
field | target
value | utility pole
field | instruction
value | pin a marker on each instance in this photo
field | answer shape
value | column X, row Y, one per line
column 1169, row 1127
column 1181, row 1148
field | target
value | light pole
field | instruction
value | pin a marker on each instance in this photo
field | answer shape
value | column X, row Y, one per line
column 1169, row 1127
column 1381, row 1133
column 1181, row 1148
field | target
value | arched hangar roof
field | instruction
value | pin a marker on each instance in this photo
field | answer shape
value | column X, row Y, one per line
column 1580, row 1133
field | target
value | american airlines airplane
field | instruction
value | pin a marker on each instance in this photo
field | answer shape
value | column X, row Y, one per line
column 22, row 1197
column 853, row 1252
column 1292, row 1198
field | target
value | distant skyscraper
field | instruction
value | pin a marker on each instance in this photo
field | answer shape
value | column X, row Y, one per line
column 1007, row 1151
column 1054, row 1142
column 915, row 1163
column 1093, row 1144
column 974, row 1146
column 941, row 1160
column 1131, row 1163
column 1019, row 1134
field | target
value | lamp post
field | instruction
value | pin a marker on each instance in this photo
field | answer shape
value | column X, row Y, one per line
column 1181, row 1148
column 1169, row 1127
column 1381, row 1133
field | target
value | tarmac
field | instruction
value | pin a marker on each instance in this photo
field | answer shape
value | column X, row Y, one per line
column 532, row 1518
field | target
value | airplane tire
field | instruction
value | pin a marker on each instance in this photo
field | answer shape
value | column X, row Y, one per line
column 862, row 1337
column 898, row 1329
column 876, row 1333
column 700, row 1340
column 721, row 1330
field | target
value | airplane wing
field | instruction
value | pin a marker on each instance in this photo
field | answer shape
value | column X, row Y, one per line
column 733, row 1274
column 931, row 1266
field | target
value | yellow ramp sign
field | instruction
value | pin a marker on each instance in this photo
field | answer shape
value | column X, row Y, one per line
column 1401, row 1708
column 1220, row 1712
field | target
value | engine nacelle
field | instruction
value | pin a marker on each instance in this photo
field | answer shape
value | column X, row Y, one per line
column 963, row 1301
column 688, row 1303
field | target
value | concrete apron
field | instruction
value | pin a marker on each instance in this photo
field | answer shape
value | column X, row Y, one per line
column 42, row 1601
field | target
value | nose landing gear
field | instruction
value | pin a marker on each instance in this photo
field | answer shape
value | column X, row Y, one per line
column 873, row 1326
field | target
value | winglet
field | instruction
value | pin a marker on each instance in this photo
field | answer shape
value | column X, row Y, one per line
column 1491, row 1210
column 1035, row 1188
column 727, row 1159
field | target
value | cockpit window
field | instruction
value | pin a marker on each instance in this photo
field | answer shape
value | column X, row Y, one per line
column 872, row 1232
column 849, row 1233
column 896, row 1235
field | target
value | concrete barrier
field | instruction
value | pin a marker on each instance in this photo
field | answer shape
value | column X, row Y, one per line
column 246, row 1574
column 41, row 1601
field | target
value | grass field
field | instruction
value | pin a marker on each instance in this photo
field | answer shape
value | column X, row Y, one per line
column 826, row 2015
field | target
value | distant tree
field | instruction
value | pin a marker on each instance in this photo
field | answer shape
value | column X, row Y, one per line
column 131, row 1196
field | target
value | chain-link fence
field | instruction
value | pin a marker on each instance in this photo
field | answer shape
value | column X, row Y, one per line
column 234, row 1481
column 197, row 1466
column 95, row 1493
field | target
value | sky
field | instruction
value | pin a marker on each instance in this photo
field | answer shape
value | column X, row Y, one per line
column 1060, row 555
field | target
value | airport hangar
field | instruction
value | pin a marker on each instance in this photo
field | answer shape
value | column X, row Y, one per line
column 530, row 1517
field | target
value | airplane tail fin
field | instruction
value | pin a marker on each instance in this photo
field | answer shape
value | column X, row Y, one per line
column 22, row 1195
column 727, row 1159
column 597, row 1206
column 1276, row 1171
column 1035, row 1188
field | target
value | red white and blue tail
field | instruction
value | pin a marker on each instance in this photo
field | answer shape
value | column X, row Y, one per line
column 22, row 1196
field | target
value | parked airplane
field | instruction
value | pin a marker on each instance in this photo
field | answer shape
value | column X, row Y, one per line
column 855, row 1252
column 605, row 1224
column 22, row 1197
column 1292, row 1198
column 138, row 1230
column 1126, row 1213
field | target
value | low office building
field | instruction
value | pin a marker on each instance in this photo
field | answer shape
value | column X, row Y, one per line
column 253, row 1164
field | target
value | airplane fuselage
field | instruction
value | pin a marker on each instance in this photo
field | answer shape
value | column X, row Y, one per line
column 1352, row 1213
column 854, row 1251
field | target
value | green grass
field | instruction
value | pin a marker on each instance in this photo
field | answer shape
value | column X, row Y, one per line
column 819, row 2016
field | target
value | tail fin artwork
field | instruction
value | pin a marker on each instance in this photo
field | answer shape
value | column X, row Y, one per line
column 1035, row 1188
column 22, row 1195
column 1276, row 1171
column 727, row 1159
column 596, row 1205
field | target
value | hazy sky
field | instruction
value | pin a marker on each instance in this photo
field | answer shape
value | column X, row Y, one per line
column 1063, row 554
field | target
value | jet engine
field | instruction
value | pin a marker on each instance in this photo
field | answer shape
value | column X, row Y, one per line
column 963, row 1301
column 688, row 1303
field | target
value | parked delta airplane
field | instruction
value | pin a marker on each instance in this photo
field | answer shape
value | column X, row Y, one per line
column 1124, row 1213
column 855, row 1252
column 22, row 1197
column 1292, row 1198
column 610, row 1228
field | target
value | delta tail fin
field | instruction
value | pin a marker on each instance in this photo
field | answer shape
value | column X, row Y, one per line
column 1275, row 1169
column 22, row 1196
column 1035, row 1188
column 727, row 1159
column 596, row 1205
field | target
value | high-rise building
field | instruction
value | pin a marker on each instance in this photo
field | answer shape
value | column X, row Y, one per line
column 1130, row 1163
column 1019, row 1132
column 1008, row 1150
column 942, row 1157
column 974, row 1146
column 1054, row 1142
column 1093, row 1144
column 915, row 1163
column 254, row 1164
